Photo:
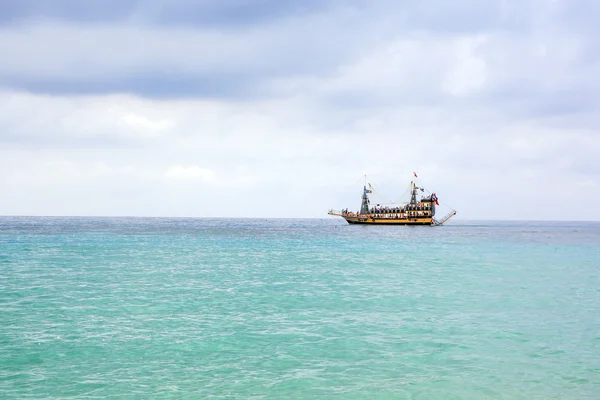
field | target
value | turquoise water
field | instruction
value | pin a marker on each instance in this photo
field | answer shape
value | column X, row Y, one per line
column 146, row 308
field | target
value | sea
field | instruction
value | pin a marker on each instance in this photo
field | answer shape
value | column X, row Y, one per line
column 177, row 308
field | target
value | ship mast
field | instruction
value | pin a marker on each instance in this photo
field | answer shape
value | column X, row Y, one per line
column 364, row 206
column 413, row 196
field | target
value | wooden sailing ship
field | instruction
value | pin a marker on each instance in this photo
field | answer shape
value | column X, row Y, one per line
column 414, row 212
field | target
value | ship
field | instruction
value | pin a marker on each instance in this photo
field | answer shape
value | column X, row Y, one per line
column 419, row 210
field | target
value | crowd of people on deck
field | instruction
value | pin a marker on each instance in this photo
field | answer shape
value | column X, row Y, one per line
column 407, row 207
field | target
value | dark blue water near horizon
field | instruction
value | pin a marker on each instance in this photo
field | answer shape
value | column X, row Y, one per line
column 193, row 308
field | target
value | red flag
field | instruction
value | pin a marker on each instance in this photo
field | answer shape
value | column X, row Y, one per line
column 415, row 174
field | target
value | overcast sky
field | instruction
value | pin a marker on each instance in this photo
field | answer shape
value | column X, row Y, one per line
column 271, row 108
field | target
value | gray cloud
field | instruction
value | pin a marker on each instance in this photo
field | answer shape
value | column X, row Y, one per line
column 153, row 84
column 531, row 53
column 232, row 13
column 199, row 49
column 53, row 58
column 14, row 12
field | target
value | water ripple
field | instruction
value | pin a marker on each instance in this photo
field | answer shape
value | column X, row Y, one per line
column 190, row 308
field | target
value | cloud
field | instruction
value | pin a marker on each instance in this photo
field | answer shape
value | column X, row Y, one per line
column 525, row 58
column 105, row 122
column 204, row 109
column 218, row 153
column 49, row 56
column 145, row 125
column 155, row 12
column 468, row 74
column 194, row 172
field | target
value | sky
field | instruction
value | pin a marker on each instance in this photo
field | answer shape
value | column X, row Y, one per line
column 278, row 109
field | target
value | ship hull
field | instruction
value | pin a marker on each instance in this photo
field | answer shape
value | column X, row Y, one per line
column 389, row 221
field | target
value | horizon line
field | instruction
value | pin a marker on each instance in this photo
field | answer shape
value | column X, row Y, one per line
column 266, row 217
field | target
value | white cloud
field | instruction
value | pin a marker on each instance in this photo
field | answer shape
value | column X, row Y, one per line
column 468, row 74
column 144, row 124
column 193, row 172
column 269, row 159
